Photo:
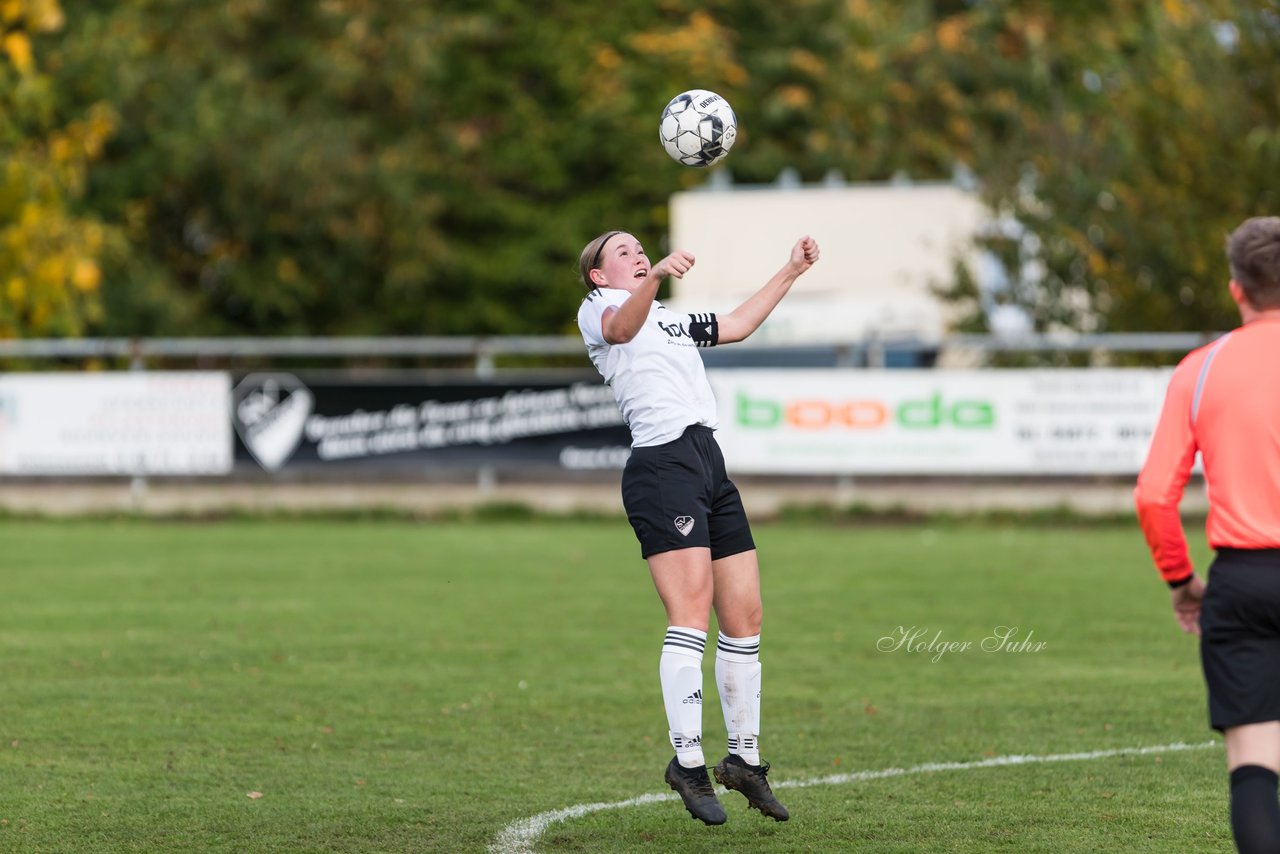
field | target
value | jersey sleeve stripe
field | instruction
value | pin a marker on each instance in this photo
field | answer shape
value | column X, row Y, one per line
column 1204, row 375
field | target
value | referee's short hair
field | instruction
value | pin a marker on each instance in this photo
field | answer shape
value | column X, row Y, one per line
column 1253, row 251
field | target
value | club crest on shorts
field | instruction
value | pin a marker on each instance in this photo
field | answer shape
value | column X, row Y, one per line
column 684, row 524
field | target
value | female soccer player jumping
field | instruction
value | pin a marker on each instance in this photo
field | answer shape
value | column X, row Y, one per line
column 686, row 512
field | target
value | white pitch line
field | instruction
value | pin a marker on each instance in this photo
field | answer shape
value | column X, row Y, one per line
column 520, row 836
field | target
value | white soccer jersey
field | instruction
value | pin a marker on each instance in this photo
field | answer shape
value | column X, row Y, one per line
column 657, row 377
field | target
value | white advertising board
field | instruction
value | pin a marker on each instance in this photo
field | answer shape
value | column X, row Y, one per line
column 888, row 247
column 143, row 423
column 900, row 422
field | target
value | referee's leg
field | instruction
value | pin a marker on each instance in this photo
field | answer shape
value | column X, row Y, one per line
column 1253, row 761
column 1254, row 744
column 1240, row 654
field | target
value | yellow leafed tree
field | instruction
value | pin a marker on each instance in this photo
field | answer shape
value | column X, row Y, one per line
column 50, row 257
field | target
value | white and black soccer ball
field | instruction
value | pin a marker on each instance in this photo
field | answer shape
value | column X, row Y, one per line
column 698, row 128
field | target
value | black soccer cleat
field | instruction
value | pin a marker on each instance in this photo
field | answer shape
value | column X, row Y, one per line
column 694, row 788
column 734, row 773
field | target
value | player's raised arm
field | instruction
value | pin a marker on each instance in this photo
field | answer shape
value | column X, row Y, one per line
column 620, row 325
column 746, row 318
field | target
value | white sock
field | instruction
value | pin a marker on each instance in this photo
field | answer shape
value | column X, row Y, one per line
column 680, row 670
column 738, row 678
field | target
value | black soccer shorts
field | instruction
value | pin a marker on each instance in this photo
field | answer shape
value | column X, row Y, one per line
column 678, row 496
column 1240, row 637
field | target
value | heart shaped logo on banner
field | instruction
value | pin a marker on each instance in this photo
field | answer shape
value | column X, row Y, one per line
column 269, row 412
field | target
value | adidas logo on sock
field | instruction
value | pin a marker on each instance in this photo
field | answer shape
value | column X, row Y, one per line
column 679, row 741
column 693, row 699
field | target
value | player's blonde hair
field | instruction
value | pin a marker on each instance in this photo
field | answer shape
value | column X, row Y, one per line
column 590, row 258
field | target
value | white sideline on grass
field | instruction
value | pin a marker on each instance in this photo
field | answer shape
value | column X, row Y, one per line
column 519, row 837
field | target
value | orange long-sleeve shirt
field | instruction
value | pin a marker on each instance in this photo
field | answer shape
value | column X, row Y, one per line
column 1223, row 401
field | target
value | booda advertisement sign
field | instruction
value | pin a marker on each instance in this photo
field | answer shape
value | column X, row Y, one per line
column 154, row 423
column 1052, row 422
column 284, row 421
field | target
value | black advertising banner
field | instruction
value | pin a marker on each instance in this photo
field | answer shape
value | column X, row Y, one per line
column 284, row 422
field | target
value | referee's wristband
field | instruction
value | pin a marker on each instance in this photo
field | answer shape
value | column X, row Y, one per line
column 1181, row 582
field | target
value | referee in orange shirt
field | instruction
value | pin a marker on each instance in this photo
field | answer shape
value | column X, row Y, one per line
column 1224, row 401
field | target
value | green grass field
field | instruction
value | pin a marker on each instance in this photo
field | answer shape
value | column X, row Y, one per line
column 392, row 687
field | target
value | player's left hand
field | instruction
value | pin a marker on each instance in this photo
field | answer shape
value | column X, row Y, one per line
column 1186, row 605
column 804, row 254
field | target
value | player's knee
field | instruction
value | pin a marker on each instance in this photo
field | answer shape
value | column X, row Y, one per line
column 700, row 595
column 742, row 622
column 692, row 608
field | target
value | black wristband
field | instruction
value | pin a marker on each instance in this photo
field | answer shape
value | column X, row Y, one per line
column 1181, row 582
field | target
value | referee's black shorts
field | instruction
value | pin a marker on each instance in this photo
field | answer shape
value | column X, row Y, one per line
column 1240, row 637
column 678, row 496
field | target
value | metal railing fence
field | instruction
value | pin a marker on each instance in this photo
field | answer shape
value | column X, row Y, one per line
column 483, row 352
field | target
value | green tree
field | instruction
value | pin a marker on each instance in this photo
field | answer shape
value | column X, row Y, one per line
column 388, row 166
column 1118, row 143
column 393, row 167
column 50, row 251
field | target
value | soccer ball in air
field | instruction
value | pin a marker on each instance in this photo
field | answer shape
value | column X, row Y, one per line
column 698, row 128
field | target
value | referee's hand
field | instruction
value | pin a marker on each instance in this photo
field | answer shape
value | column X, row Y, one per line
column 1186, row 605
